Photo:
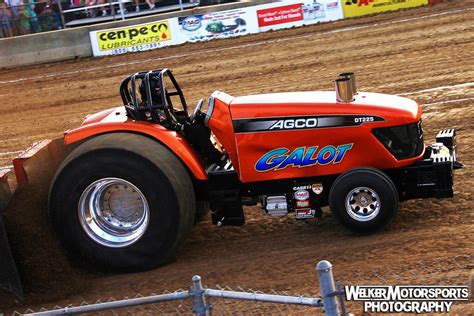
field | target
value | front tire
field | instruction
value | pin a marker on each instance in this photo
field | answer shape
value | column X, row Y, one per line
column 122, row 202
column 364, row 200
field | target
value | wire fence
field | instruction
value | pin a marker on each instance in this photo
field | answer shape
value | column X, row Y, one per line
column 202, row 301
column 199, row 300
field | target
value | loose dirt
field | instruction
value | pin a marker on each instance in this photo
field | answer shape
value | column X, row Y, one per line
column 405, row 52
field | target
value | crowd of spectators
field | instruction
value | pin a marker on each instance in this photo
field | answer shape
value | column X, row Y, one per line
column 22, row 17
column 104, row 12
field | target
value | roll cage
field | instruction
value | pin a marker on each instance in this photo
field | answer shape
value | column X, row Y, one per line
column 148, row 109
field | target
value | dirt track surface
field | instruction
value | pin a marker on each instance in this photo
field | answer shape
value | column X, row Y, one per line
column 408, row 52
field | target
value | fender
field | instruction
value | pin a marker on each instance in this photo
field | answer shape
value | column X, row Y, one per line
column 116, row 120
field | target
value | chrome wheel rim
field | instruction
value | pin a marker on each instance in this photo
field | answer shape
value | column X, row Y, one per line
column 362, row 204
column 113, row 212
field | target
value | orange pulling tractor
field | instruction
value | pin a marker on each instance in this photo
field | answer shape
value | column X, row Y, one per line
column 139, row 176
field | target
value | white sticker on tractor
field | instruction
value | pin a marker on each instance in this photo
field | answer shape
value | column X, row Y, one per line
column 317, row 188
column 301, row 195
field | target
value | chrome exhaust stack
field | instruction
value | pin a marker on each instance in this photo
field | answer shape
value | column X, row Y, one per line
column 344, row 91
column 351, row 76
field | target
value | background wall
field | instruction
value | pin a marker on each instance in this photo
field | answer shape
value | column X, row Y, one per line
column 80, row 42
column 75, row 42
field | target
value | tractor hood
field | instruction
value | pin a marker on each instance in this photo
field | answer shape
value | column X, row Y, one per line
column 392, row 109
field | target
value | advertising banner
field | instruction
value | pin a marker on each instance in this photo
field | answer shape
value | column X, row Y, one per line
column 204, row 27
column 364, row 7
column 286, row 14
column 133, row 38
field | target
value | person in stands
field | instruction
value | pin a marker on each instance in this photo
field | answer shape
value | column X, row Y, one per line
column 23, row 21
column 5, row 16
column 151, row 5
column 48, row 20
column 15, row 18
column 33, row 18
column 93, row 12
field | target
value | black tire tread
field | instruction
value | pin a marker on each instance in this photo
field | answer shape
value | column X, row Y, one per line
column 332, row 198
column 158, row 155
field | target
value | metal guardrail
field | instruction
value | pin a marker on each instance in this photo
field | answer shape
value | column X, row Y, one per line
column 201, row 303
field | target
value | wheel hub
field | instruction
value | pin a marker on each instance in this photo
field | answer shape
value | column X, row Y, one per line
column 113, row 212
column 362, row 204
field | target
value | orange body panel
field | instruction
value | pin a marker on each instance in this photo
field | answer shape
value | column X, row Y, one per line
column 115, row 120
column 350, row 146
column 309, row 152
column 221, row 126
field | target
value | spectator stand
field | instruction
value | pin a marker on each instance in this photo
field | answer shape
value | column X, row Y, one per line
column 78, row 13
column 25, row 17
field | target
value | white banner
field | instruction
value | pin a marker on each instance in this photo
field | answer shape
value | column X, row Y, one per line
column 204, row 27
column 279, row 15
column 209, row 26
column 134, row 38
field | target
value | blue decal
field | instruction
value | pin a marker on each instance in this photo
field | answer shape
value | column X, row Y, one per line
column 271, row 159
column 294, row 158
column 341, row 152
column 308, row 158
column 281, row 158
column 323, row 158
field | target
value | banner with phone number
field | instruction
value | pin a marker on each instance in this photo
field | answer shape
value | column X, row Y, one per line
column 212, row 25
column 134, row 38
column 364, row 7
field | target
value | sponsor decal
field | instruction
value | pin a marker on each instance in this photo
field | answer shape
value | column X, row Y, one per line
column 302, row 187
column 364, row 119
column 280, row 15
column 295, row 123
column 304, row 213
column 301, row 195
column 302, row 203
column 407, row 299
column 191, row 23
column 140, row 36
column 332, row 5
column 281, row 158
column 317, row 188
column 302, row 122
column 363, row 7
column 204, row 27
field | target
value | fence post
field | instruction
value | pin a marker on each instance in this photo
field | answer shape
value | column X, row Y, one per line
column 199, row 307
column 61, row 14
column 328, row 290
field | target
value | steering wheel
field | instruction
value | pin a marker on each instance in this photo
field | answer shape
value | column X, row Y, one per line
column 197, row 111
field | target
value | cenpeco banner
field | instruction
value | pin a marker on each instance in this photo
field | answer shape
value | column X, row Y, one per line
column 363, row 7
column 133, row 38
column 286, row 14
column 203, row 27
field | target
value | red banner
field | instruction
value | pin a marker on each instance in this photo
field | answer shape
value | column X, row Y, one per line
column 280, row 15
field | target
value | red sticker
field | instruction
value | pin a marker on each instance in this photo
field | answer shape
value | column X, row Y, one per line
column 280, row 15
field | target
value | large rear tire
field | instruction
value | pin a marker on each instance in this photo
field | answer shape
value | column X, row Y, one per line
column 122, row 202
column 364, row 200
column 202, row 209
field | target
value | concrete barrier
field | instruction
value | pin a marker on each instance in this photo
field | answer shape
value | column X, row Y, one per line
column 71, row 43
